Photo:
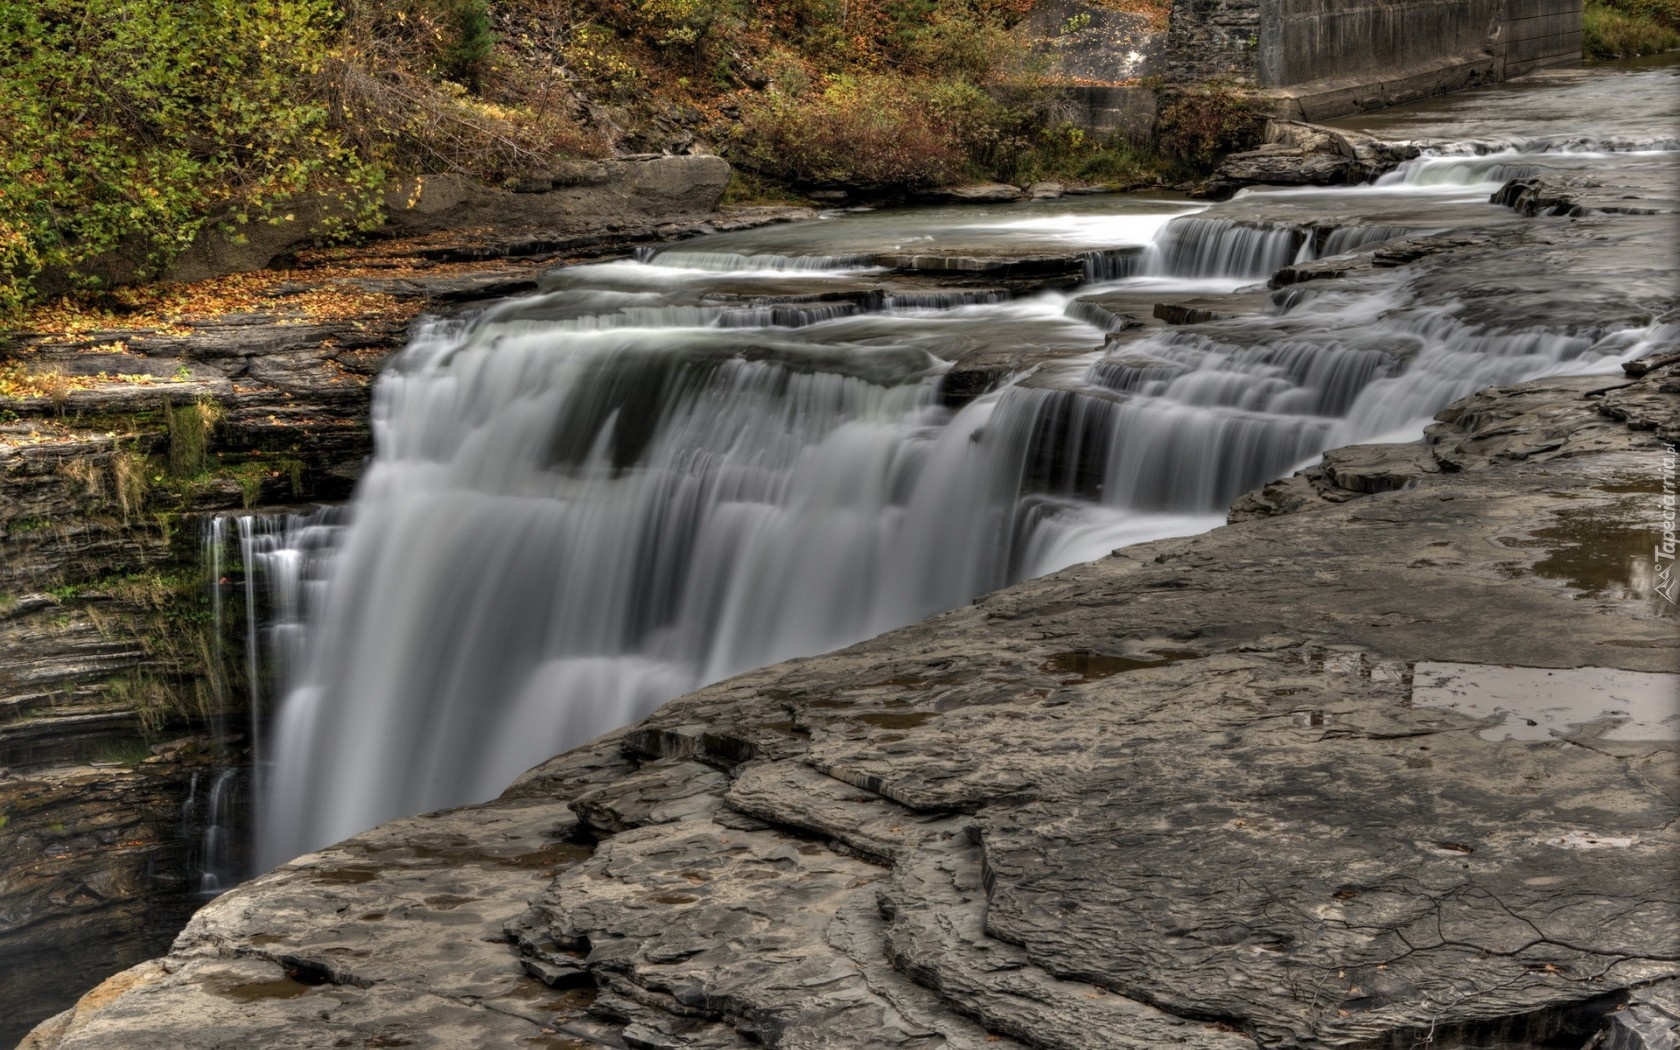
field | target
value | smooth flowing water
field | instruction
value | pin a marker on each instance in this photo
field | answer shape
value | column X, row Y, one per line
column 659, row 472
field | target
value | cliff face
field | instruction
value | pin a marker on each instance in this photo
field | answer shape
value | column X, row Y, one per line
column 108, row 682
column 1392, row 767
column 123, row 441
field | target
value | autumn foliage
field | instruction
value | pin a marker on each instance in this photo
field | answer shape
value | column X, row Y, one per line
column 129, row 129
column 130, row 124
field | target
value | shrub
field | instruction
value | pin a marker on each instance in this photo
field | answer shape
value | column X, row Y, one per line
column 871, row 131
column 1016, row 133
column 1199, row 125
column 132, row 124
column 955, row 39
column 411, row 83
column 1628, row 28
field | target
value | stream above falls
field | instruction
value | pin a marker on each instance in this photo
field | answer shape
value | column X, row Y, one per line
column 655, row 473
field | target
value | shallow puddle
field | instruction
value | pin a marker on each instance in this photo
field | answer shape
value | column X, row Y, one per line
column 257, row 991
column 1538, row 703
column 1605, row 555
column 1087, row 665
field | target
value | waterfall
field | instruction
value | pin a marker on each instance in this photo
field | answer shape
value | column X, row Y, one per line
column 221, row 862
column 277, row 558
column 660, row 472
column 564, row 529
column 1194, row 246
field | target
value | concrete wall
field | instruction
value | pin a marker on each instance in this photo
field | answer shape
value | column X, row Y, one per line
column 1338, row 56
column 1303, row 41
column 1308, row 40
column 1541, row 33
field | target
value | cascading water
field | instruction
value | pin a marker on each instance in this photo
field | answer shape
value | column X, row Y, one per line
column 664, row 471
column 261, row 594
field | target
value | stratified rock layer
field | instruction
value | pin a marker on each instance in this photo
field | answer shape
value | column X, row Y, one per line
column 1212, row 792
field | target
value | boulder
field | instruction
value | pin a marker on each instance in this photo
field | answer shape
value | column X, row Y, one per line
column 1294, row 153
column 979, row 193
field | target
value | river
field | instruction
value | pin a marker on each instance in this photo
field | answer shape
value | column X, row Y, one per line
column 749, row 447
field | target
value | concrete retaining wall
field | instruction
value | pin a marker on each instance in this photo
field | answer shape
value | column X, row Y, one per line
column 1323, row 57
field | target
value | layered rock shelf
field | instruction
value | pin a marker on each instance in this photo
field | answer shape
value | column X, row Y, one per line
column 1235, row 790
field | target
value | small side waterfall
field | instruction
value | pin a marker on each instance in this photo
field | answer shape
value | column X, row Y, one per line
column 222, row 856
column 1194, row 246
column 261, row 593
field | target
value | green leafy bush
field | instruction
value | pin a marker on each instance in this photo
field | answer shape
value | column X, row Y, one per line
column 131, row 124
column 1199, row 125
column 871, row 131
column 1627, row 28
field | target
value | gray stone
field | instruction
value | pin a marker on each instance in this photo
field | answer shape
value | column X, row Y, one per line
column 979, row 193
column 657, row 796
column 777, row 936
column 940, row 934
column 1295, row 153
column 1650, row 1020
column 584, row 197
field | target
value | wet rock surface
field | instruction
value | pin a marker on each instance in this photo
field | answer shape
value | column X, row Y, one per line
column 1294, row 153
column 1542, row 420
column 979, row 830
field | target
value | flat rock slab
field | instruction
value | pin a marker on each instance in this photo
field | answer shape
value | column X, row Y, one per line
column 979, row 193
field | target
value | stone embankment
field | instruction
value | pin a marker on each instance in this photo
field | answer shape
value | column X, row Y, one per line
column 125, row 439
column 1391, row 760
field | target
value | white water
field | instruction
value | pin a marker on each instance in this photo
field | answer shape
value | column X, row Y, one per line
column 590, row 501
